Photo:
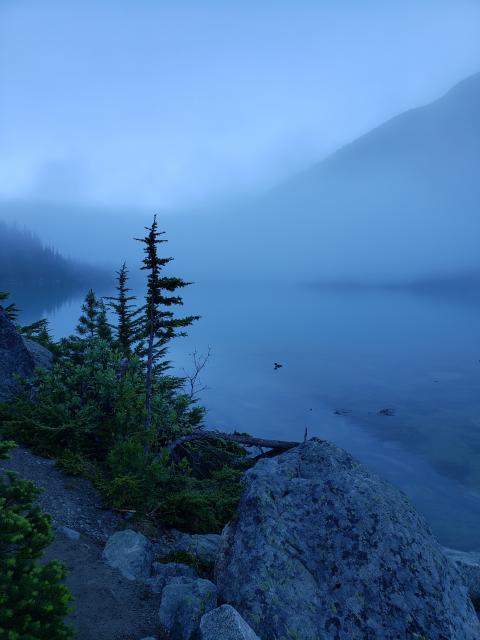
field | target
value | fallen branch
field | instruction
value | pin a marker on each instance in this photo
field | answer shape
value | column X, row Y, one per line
column 277, row 446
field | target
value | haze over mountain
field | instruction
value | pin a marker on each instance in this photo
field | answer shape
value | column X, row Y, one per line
column 401, row 202
column 398, row 204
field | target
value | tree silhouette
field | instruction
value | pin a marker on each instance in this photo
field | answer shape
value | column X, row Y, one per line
column 160, row 325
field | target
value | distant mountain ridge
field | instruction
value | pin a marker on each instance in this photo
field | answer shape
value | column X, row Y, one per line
column 450, row 123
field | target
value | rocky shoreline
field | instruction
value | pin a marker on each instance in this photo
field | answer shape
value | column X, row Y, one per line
column 319, row 548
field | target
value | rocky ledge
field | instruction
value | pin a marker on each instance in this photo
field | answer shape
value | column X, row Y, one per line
column 18, row 357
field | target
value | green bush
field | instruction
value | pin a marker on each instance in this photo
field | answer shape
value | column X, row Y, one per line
column 92, row 419
column 83, row 405
column 167, row 492
column 33, row 601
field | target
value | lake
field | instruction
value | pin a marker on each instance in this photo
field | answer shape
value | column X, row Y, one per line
column 391, row 376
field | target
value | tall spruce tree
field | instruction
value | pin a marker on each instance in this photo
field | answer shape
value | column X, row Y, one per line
column 160, row 325
column 128, row 324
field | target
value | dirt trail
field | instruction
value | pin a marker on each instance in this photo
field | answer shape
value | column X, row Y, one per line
column 107, row 606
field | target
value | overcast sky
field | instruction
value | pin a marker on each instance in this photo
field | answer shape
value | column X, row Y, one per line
column 171, row 103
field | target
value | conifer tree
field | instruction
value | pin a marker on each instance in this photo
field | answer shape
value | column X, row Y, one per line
column 87, row 322
column 128, row 315
column 160, row 325
column 38, row 331
column 93, row 322
column 11, row 310
column 102, row 328
column 33, row 600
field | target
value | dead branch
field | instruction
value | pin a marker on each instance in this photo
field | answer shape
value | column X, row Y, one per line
column 276, row 446
column 199, row 362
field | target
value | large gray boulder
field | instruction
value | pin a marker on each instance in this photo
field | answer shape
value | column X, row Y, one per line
column 321, row 548
column 15, row 358
column 184, row 602
column 225, row 623
column 468, row 564
column 131, row 553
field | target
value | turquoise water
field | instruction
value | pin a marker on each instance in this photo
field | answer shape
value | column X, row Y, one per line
column 393, row 377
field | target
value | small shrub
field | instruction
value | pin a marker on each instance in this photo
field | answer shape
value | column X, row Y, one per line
column 168, row 492
column 33, row 601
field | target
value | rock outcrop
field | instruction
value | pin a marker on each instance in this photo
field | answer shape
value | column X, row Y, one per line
column 42, row 357
column 18, row 357
column 225, row 623
column 15, row 358
column 131, row 553
column 321, row 548
column 184, row 602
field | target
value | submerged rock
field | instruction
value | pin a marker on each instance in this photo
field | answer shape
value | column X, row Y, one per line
column 468, row 564
column 184, row 602
column 131, row 553
column 15, row 358
column 225, row 623
column 321, row 548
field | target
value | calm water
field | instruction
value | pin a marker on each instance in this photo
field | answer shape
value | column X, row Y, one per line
column 346, row 357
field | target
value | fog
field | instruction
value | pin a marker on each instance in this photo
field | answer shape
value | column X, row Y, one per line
column 218, row 117
column 196, row 112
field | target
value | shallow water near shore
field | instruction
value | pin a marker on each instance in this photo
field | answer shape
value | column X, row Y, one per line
column 391, row 376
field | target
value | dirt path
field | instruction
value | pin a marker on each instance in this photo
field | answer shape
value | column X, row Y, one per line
column 107, row 606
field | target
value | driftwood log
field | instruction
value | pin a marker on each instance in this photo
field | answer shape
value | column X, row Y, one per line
column 276, row 446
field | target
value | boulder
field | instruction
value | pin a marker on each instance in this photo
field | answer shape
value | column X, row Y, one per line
column 468, row 564
column 15, row 358
column 42, row 357
column 203, row 546
column 131, row 553
column 163, row 573
column 321, row 548
column 184, row 602
column 225, row 623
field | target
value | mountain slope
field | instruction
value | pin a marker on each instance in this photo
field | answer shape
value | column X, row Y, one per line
column 403, row 200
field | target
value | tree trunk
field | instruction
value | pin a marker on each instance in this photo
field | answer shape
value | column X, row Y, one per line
column 149, row 374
